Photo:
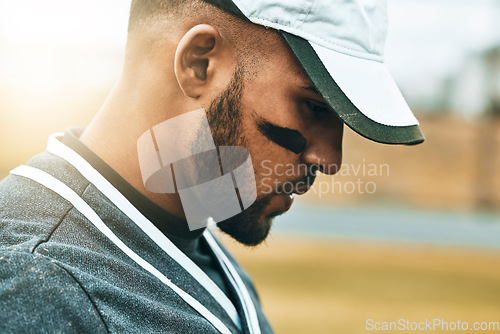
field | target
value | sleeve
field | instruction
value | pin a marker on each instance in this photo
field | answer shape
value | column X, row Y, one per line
column 39, row 296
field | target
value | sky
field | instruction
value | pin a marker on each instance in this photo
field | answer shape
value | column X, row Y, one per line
column 42, row 43
column 431, row 40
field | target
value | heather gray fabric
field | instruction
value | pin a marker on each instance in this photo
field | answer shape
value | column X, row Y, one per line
column 59, row 274
column 176, row 229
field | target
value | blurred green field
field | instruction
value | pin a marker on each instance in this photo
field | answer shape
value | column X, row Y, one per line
column 332, row 286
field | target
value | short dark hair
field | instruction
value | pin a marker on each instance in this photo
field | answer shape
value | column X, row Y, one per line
column 142, row 10
column 145, row 15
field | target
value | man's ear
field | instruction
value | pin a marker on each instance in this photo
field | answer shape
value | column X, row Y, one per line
column 197, row 54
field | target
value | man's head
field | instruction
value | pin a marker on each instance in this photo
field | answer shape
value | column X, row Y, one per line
column 283, row 93
column 254, row 90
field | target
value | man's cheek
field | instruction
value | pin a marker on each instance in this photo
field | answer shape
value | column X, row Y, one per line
column 266, row 170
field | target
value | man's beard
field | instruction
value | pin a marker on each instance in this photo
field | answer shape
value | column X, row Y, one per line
column 225, row 119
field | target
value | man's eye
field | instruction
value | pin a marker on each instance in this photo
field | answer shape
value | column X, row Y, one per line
column 318, row 108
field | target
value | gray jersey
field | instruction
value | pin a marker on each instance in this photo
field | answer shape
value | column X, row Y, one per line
column 76, row 256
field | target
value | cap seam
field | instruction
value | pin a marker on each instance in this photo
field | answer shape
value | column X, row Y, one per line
column 312, row 38
column 309, row 11
column 305, row 12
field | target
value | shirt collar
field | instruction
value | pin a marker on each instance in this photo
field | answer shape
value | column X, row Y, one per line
column 176, row 229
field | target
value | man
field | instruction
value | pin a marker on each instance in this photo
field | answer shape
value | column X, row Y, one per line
column 87, row 246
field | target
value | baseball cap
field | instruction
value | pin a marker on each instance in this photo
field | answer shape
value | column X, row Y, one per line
column 340, row 44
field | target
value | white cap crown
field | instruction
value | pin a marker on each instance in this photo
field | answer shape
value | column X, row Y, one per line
column 353, row 27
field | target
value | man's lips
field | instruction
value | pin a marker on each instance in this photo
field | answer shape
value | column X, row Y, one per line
column 282, row 199
column 302, row 186
column 288, row 202
column 278, row 204
column 301, row 190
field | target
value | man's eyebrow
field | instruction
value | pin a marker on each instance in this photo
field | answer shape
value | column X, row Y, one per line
column 315, row 91
column 311, row 89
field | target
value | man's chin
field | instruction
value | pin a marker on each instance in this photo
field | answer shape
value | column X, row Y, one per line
column 247, row 231
column 252, row 226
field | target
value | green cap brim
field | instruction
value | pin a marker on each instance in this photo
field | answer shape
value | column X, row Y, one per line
column 340, row 103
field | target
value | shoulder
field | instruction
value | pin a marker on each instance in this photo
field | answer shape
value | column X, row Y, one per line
column 37, row 295
column 29, row 212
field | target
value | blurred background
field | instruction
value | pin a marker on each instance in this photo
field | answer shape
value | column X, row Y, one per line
column 401, row 233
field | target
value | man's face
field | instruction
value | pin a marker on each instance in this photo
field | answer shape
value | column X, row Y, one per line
column 288, row 130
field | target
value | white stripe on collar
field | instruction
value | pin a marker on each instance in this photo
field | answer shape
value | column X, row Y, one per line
column 56, row 147
column 241, row 289
column 79, row 204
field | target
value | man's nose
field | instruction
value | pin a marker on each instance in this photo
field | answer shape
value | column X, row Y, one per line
column 324, row 148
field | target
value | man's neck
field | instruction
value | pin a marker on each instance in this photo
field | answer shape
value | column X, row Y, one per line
column 112, row 136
